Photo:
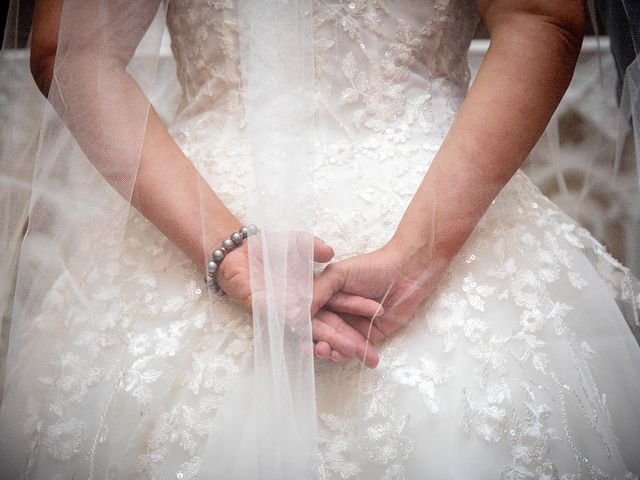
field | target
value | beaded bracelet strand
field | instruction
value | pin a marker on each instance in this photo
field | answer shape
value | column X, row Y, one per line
column 218, row 255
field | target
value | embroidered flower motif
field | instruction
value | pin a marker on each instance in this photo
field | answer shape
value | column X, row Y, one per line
column 64, row 439
column 137, row 379
column 476, row 293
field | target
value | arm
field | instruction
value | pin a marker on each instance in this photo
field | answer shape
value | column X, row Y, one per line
column 84, row 75
column 534, row 47
column 529, row 64
column 168, row 190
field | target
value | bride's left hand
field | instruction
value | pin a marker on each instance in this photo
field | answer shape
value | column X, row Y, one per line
column 234, row 278
column 399, row 282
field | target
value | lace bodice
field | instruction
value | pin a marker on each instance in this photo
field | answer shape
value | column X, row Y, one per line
column 377, row 62
column 389, row 77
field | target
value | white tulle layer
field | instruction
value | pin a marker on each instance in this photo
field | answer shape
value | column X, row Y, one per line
column 521, row 364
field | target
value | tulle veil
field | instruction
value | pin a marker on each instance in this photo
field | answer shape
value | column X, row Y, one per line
column 76, row 175
column 47, row 179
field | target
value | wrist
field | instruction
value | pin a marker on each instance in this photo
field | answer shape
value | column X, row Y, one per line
column 219, row 232
column 233, row 243
column 419, row 248
column 419, row 263
column 212, row 237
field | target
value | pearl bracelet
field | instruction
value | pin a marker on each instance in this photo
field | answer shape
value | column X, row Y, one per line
column 217, row 256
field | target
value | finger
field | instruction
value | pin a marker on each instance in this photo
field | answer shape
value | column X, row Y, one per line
column 365, row 351
column 366, row 327
column 325, row 285
column 247, row 302
column 322, row 252
column 329, row 327
column 322, row 349
column 354, row 304
column 336, row 356
column 324, row 333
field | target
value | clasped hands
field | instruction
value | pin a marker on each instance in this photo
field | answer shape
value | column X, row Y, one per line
column 357, row 302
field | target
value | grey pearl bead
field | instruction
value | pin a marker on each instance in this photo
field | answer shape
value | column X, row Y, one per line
column 252, row 229
column 228, row 244
column 212, row 267
column 244, row 232
column 217, row 255
column 236, row 238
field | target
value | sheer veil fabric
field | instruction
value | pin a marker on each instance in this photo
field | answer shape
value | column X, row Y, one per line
column 266, row 426
column 84, row 169
column 122, row 365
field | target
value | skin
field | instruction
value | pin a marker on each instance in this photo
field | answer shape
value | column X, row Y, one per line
column 529, row 64
column 534, row 47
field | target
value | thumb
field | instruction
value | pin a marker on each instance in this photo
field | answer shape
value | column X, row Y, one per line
column 322, row 252
column 325, row 285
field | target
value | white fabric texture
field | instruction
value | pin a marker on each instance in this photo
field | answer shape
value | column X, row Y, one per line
column 521, row 364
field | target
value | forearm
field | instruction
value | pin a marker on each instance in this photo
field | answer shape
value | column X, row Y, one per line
column 145, row 165
column 112, row 121
column 526, row 70
column 171, row 193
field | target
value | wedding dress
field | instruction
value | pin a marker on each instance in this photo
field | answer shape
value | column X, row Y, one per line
column 519, row 365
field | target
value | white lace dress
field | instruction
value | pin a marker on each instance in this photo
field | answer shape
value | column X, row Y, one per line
column 520, row 365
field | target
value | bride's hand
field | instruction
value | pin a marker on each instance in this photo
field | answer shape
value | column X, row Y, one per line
column 233, row 277
column 399, row 281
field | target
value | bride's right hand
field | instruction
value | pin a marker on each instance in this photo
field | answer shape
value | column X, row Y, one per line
column 400, row 281
column 233, row 277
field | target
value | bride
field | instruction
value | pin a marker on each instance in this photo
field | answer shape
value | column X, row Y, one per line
column 464, row 327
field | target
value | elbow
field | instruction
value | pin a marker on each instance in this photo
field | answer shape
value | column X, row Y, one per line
column 79, row 67
column 556, row 28
column 41, row 64
column 567, row 33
